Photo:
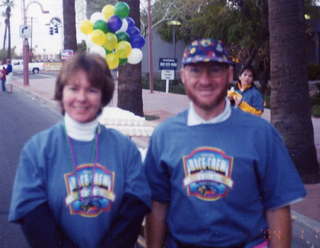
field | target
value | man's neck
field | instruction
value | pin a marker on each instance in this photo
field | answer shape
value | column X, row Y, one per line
column 209, row 114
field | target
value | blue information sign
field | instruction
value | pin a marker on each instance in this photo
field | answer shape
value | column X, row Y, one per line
column 168, row 64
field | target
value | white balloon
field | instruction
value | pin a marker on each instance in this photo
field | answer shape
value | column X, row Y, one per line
column 89, row 43
column 97, row 50
column 124, row 26
column 96, row 16
column 135, row 56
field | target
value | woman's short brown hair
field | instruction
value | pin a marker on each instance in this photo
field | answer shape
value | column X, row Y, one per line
column 97, row 72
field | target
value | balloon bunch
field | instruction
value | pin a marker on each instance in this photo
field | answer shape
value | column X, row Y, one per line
column 114, row 35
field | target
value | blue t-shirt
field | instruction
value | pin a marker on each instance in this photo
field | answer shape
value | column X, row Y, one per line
column 219, row 179
column 83, row 198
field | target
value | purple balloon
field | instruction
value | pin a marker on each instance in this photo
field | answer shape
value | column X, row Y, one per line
column 130, row 21
column 114, row 23
column 137, row 41
column 133, row 30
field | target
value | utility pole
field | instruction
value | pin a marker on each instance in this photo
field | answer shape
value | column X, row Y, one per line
column 150, row 56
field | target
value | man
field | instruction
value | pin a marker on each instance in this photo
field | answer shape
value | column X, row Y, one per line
column 219, row 177
column 8, row 70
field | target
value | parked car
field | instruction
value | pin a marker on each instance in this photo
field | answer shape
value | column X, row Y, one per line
column 34, row 67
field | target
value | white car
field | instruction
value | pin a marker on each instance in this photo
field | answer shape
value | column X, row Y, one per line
column 17, row 65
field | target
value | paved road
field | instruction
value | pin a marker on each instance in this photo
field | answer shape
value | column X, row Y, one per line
column 20, row 117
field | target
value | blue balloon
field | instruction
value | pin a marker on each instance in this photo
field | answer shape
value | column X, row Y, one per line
column 137, row 41
column 114, row 23
column 133, row 30
column 130, row 21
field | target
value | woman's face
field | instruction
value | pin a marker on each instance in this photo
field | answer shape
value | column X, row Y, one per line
column 80, row 100
column 246, row 77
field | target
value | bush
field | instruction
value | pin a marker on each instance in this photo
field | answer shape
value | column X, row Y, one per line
column 313, row 72
column 316, row 110
column 175, row 86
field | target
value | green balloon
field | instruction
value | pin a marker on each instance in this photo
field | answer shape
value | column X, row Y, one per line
column 121, row 9
column 101, row 25
column 108, row 51
column 123, row 36
column 123, row 61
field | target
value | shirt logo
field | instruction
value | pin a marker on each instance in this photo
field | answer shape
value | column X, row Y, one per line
column 89, row 190
column 207, row 173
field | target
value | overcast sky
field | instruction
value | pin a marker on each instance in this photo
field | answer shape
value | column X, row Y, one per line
column 42, row 42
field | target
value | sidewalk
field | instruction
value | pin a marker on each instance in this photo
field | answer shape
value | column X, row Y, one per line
column 305, row 213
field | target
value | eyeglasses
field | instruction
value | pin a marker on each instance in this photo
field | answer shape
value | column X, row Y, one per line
column 212, row 70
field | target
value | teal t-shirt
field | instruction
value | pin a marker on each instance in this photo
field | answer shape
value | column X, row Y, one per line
column 219, row 179
column 84, row 196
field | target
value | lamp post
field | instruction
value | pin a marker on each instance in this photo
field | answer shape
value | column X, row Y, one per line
column 174, row 24
column 150, row 57
column 25, row 49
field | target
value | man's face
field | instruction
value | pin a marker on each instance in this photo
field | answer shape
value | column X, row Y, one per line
column 206, row 84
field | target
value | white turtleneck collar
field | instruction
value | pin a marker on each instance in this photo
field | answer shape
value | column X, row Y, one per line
column 80, row 131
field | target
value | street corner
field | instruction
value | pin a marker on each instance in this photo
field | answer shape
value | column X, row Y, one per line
column 305, row 229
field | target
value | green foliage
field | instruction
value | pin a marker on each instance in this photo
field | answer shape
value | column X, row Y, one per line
column 313, row 72
column 316, row 110
column 175, row 86
column 3, row 54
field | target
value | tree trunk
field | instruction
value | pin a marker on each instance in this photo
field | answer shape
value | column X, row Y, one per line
column 129, row 81
column 9, row 33
column 5, row 35
column 290, row 105
column 69, row 25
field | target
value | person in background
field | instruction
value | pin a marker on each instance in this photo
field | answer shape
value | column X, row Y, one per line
column 246, row 96
column 78, row 183
column 219, row 177
column 9, row 75
column 3, row 79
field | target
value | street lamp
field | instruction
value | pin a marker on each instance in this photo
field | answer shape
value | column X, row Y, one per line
column 25, row 49
column 150, row 57
column 174, row 24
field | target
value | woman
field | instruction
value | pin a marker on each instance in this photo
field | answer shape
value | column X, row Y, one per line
column 246, row 96
column 78, row 183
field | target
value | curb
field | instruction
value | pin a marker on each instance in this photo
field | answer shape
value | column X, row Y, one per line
column 53, row 105
column 309, row 229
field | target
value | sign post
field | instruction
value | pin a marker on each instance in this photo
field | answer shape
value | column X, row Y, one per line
column 167, row 67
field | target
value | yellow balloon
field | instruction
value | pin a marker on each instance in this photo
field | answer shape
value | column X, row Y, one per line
column 111, row 41
column 98, row 37
column 123, row 49
column 112, row 61
column 86, row 27
column 107, row 11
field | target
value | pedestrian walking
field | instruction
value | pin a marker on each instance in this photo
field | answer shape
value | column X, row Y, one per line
column 246, row 95
column 3, row 79
column 219, row 177
column 78, row 183
column 9, row 76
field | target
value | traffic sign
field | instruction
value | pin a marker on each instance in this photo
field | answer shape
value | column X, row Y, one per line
column 168, row 64
column 167, row 74
column 25, row 31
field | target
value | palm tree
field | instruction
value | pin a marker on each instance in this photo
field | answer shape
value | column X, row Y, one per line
column 129, row 81
column 69, row 25
column 290, row 106
column 7, row 27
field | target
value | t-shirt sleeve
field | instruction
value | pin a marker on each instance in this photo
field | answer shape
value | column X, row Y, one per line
column 157, row 173
column 258, row 101
column 29, row 187
column 279, row 179
column 136, row 182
